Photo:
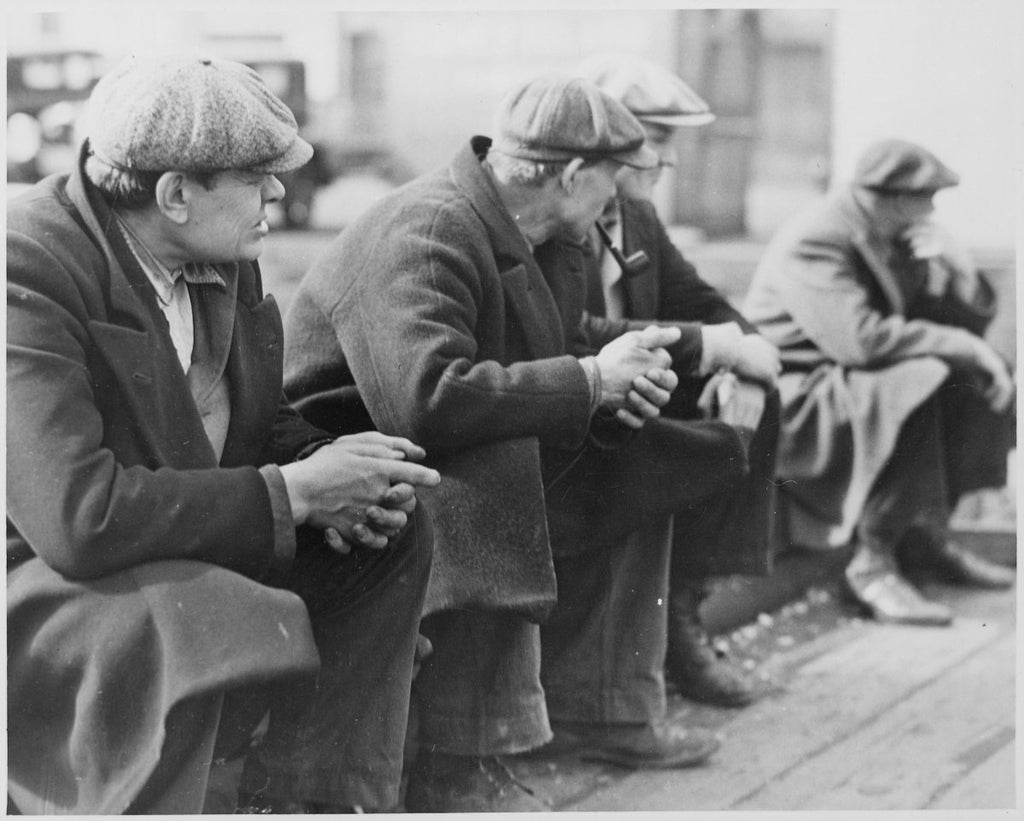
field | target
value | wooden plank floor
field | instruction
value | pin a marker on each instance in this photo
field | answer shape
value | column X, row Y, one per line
column 856, row 716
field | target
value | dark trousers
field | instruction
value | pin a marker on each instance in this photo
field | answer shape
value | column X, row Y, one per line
column 338, row 739
column 479, row 693
column 603, row 648
column 950, row 445
column 731, row 532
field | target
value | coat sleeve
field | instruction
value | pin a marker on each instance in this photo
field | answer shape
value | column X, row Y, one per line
column 413, row 324
column 685, row 353
column 828, row 291
column 83, row 509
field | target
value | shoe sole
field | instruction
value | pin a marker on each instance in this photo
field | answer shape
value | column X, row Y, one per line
column 882, row 619
column 718, row 701
column 867, row 610
column 634, row 762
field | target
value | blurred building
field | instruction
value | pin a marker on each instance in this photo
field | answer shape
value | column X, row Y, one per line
column 798, row 91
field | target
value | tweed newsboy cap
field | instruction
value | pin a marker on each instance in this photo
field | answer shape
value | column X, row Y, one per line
column 558, row 117
column 901, row 167
column 192, row 114
column 651, row 93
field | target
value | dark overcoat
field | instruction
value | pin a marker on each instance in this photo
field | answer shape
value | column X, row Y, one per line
column 863, row 344
column 132, row 554
column 669, row 291
column 434, row 311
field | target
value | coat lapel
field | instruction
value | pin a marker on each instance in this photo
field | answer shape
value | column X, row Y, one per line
column 527, row 293
column 255, row 369
column 137, row 348
column 642, row 289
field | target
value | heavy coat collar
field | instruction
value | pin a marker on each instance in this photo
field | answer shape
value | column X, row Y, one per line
column 521, row 267
column 873, row 249
column 136, row 345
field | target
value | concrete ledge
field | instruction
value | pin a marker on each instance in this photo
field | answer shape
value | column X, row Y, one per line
column 739, row 599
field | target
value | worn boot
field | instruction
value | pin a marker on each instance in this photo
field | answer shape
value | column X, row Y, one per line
column 698, row 672
column 663, row 745
column 873, row 578
column 443, row 782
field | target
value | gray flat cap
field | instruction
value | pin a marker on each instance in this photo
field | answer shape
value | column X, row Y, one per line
column 192, row 114
column 557, row 117
column 901, row 167
column 651, row 93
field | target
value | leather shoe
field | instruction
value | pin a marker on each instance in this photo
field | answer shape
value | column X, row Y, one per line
column 950, row 562
column 443, row 782
column 638, row 746
column 888, row 597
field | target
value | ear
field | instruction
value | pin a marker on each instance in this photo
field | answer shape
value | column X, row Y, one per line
column 569, row 173
column 172, row 196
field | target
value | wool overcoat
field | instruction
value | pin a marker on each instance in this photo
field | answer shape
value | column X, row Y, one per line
column 434, row 311
column 132, row 554
column 864, row 343
column 669, row 291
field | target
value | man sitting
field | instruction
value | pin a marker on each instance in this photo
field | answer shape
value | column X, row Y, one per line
column 893, row 404
column 159, row 490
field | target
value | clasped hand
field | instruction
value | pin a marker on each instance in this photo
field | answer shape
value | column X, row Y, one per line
column 950, row 261
column 636, row 380
column 359, row 489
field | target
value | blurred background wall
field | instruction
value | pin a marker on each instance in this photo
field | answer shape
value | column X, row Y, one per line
column 798, row 91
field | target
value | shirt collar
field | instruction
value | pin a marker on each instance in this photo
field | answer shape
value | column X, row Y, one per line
column 160, row 276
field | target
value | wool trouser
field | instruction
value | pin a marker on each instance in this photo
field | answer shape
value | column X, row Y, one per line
column 338, row 740
column 600, row 655
column 950, row 445
column 603, row 648
column 479, row 692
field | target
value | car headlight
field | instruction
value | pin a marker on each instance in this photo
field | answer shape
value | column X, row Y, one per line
column 24, row 137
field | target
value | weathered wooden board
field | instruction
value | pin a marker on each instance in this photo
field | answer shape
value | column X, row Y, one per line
column 985, row 787
column 861, row 672
column 918, row 748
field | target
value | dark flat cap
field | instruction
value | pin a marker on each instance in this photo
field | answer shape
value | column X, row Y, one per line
column 558, row 117
column 901, row 167
column 192, row 114
column 651, row 93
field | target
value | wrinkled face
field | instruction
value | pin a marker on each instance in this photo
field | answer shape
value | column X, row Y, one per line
column 228, row 222
column 593, row 185
column 634, row 184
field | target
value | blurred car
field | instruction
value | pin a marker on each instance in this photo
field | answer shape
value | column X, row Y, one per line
column 336, row 152
column 46, row 91
column 46, row 95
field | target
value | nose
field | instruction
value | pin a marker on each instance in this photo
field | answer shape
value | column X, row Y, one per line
column 273, row 189
column 667, row 156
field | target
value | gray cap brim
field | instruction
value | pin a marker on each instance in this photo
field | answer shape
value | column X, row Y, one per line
column 298, row 154
column 642, row 158
column 676, row 120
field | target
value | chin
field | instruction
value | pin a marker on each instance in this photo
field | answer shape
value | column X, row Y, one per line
column 252, row 250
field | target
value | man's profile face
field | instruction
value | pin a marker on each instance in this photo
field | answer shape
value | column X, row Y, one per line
column 637, row 184
column 228, row 222
column 896, row 212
